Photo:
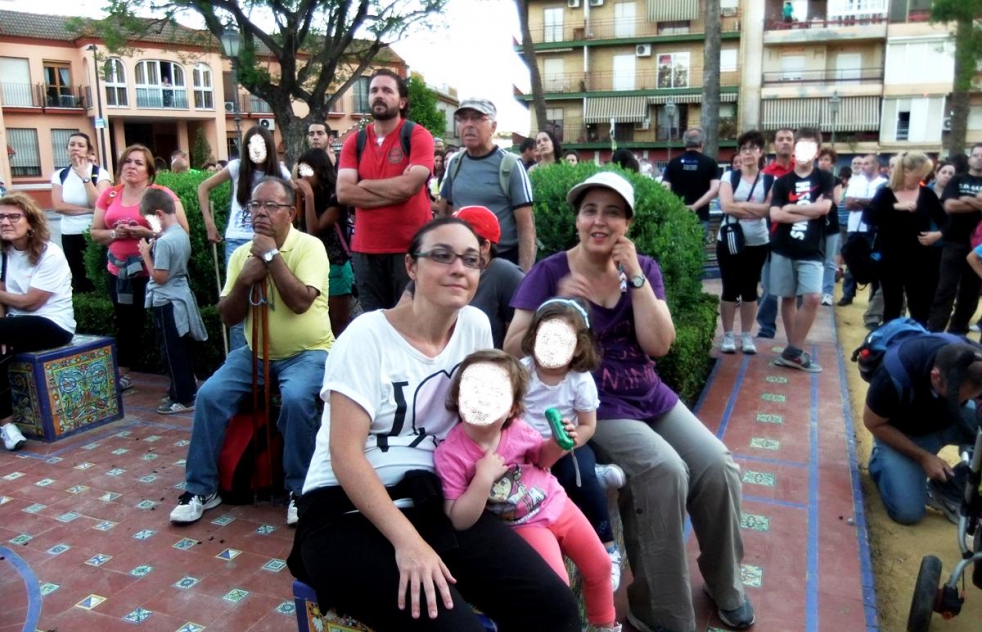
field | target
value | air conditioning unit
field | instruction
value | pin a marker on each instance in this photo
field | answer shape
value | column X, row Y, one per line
column 643, row 50
column 269, row 124
column 643, row 125
column 230, row 106
column 596, row 3
column 728, row 12
column 946, row 124
column 573, row 4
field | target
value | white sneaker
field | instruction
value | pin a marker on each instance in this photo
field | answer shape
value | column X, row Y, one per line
column 826, row 299
column 190, row 507
column 291, row 511
column 615, row 628
column 615, row 567
column 610, row 476
column 12, row 437
column 728, row 345
column 747, row 344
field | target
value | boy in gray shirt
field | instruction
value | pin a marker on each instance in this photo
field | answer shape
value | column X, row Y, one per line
column 176, row 320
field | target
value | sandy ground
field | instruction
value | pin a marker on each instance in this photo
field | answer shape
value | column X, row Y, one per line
column 896, row 549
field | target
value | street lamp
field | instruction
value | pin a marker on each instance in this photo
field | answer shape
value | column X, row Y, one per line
column 670, row 113
column 231, row 42
column 98, row 100
column 834, row 111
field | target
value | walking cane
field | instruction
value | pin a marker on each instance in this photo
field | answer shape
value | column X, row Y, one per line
column 218, row 282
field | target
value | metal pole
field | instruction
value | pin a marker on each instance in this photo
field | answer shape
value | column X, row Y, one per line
column 235, row 107
column 98, row 100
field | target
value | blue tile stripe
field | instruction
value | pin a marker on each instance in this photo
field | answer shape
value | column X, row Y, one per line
column 811, row 581
column 31, row 584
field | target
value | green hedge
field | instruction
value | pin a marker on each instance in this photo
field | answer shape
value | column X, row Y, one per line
column 662, row 229
column 94, row 312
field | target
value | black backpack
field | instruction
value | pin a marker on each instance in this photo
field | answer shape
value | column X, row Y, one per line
column 405, row 136
column 63, row 174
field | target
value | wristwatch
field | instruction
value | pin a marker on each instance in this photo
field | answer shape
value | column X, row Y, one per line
column 86, row 180
column 268, row 256
column 637, row 281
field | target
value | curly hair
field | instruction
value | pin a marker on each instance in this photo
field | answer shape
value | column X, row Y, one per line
column 517, row 374
column 38, row 234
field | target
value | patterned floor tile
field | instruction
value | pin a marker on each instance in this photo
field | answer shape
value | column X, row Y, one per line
column 58, row 549
column 228, row 554
column 22, row 539
column 67, row 517
column 773, row 397
column 181, row 485
column 123, row 433
column 186, row 582
column 109, row 496
column 765, row 444
column 146, row 504
column 5, row 499
column 190, row 627
column 287, row 607
column 84, row 466
column 53, row 460
column 274, row 565
column 759, row 478
column 181, row 462
column 265, row 529
column 105, row 525
column 138, row 616
column 90, row 602
column 751, row 575
column 91, row 446
column 116, row 471
column 766, row 418
column 144, row 534
column 141, row 571
column 13, row 476
column 776, row 379
column 235, row 595
column 182, row 443
column 120, row 451
column 185, row 544
column 152, row 438
column 223, row 520
column 98, row 560
column 76, row 489
column 149, row 478
column 755, row 522
column 45, row 482
column 149, row 456
column 47, row 588
column 35, row 508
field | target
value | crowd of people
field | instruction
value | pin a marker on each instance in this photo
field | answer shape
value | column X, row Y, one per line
column 485, row 402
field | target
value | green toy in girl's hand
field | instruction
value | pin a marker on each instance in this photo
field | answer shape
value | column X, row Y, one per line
column 558, row 431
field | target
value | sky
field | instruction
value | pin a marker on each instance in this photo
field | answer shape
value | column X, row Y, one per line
column 472, row 51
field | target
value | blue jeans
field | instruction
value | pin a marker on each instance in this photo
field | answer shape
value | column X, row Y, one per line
column 299, row 379
column 590, row 496
column 828, row 279
column 901, row 480
column 766, row 305
column 236, row 333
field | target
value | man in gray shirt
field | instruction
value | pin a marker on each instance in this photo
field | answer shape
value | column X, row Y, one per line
column 477, row 177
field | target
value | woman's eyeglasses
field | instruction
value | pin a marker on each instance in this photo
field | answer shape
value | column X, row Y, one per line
column 13, row 217
column 447, row 257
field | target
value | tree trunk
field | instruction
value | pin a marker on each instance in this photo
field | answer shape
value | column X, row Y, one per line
column 965, row 56
column 710, row 79
column 528, row 55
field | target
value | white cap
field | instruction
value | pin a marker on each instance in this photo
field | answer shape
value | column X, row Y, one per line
column 607, row 180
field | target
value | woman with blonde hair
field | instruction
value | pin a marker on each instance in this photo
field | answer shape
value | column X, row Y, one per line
column 118, row 224
column 904, row 212
column 36, row 310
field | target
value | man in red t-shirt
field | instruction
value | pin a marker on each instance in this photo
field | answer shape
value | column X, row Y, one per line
column 782, row 164
column 388, row 190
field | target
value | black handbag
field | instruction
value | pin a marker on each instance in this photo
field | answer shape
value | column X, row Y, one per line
column 862, row 259
column 731, row 232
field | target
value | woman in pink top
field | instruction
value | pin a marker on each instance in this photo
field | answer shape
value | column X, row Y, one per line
column 118, row 224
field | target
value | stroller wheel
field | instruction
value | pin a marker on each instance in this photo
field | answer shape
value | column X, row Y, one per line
column 925, row 595
column 977, row 571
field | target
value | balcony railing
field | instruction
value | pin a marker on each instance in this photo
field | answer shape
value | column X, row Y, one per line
column 40, row 95
column 776, row 23
column 159, row 98
column 602, row 81
column 859, row 75
column 578, row 30
column 249, row 104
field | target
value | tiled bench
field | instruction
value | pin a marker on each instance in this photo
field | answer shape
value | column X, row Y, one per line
column 311, row 619
column 63, row 391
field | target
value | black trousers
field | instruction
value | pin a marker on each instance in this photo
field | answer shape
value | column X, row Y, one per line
column 175, row 351
column 495, row 569
column 740, row 273
column 957, row 284
column 74, row 247
column 25, row 333
column 914, row 276
column 129, row 321
column 381, row 279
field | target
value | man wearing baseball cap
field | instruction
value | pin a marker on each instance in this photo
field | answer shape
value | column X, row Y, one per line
column 486, row 175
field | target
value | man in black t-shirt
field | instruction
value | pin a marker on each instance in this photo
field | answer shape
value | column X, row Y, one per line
column 962, row 199
column 911, row 417
column 800, row 201
column 694, row 177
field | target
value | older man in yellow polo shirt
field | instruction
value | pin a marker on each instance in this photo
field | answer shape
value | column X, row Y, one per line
column 295, row 265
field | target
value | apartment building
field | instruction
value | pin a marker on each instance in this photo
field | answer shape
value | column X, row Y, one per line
column 161, row 93
column 630, row 71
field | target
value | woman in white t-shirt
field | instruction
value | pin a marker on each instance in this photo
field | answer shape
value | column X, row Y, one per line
column 74, row 191
column 244, row 176
column 35, row 295
column 746, row 205
column 372, row 503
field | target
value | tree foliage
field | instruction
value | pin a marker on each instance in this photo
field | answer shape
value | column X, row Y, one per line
column 320, row 47
column 200, row 150
column 422, row 107
column 962, row 14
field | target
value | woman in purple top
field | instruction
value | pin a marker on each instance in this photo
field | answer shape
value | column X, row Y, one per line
column 671, row 460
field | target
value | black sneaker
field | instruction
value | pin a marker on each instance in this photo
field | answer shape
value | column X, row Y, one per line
column 845, row 300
